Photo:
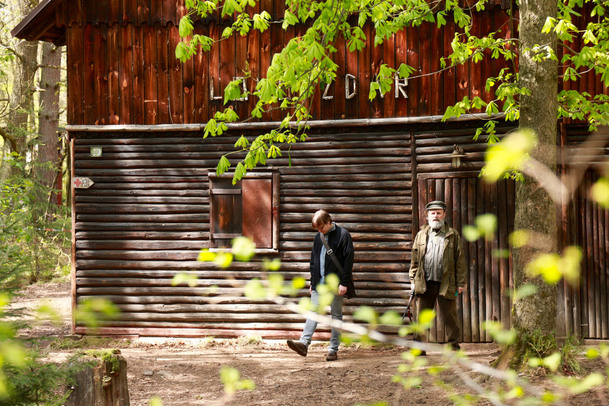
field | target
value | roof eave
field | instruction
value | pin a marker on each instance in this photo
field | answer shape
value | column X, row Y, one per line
column 41, row 24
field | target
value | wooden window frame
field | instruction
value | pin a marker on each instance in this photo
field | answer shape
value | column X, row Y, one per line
column 274, row 177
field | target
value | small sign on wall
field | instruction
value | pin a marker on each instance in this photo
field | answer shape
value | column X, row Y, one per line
column 82, row 183
column 96, row 152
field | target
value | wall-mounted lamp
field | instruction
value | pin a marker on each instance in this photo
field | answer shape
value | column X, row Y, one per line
column 455, row 156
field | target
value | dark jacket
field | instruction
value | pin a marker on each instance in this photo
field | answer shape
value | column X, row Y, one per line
column 455, row 270
column 341, row 243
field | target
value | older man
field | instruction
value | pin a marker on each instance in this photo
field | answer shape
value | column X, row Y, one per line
column 437, row 269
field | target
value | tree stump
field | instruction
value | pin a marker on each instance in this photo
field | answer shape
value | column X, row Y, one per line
column 103, row 382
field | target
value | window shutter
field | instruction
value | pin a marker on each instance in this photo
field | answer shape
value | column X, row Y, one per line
column 257, row 204
column 225, row 218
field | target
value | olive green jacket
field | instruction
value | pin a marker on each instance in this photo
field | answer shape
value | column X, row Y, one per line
column 455, row 271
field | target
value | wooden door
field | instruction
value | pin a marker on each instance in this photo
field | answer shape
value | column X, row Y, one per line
column 490, row 277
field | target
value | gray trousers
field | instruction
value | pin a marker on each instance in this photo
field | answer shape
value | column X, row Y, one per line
column 336, row 311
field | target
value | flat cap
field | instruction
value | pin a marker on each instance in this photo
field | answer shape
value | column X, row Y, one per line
column 436, row 204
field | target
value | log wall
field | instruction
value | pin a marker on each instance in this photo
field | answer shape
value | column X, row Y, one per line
column 147, row 216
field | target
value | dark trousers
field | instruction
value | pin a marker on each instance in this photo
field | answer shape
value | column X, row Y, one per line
column 447, row 308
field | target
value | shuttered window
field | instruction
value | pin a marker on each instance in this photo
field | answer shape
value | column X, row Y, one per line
column 249, row 208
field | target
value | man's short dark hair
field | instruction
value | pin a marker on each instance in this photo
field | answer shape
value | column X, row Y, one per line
column 320, row 218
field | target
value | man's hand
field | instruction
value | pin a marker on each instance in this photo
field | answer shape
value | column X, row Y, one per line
column 460, row 290
column 342, row 290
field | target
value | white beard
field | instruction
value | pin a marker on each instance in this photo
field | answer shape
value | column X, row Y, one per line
column 435, row 224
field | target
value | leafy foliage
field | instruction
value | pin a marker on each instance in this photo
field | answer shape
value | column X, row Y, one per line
column 33, row 245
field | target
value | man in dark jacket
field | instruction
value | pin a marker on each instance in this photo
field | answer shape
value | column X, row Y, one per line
column 437, row 268
column 340, row 243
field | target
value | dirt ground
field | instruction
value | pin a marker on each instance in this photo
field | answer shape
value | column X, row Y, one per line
column 186, row 371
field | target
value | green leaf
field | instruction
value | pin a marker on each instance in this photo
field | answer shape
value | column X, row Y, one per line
column 525, row 291
column 391, row 318
column 548, row 25
column 243, row 248
column 509, row 154
column 223, row 259
column 470, row 233
column 254, row 289
column 486, row 225
column 183, row 277
column 206, row 256
column 496, row 331
column 185, row 28
column 600, row 192
column 242, row 142
column 223, row 165
column 271, row 266
column 365, row 313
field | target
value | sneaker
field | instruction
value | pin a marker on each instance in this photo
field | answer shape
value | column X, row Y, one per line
column 455, row 347
column 299, row 347
column 332, row 356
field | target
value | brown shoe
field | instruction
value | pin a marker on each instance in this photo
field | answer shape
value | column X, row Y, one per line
column 332, row 356
column 299, row 347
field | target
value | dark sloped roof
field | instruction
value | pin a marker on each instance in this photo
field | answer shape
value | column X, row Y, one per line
column 43, row 23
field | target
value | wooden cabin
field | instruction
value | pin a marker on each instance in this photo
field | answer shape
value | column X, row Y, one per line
column 147, row 200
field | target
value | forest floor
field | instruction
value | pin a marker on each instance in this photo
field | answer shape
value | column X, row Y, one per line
column 187, row 371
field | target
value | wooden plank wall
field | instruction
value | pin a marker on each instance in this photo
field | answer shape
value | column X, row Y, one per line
column 147, row 216
column 586, row 305
column 123, row 68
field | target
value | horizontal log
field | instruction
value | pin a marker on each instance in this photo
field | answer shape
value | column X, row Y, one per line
column 388, row 199
column 132, row 255
column 354, row 193
column 154, row 171
column 352, row 227
column 200, row 187
column 159, row 181
column 358, row 245
column 388, row 256
column 349, row 211
column 203, row 291
column 344, row 184
column 357, row 236
column 362, row 266
column 157, row 224
column 201, row 218
column 82, row 282
column 343, row 214
column 142, row 203
column 378, row 303
column 359, row 276
column 142, row 235
column 251, row 309
column 469, row 158
column 140, row 208
column 478, row 147
column 346, row 169
column 115, row 244
column 365, row 151
column 439, row 167
column 172, row 164
column 126, row 194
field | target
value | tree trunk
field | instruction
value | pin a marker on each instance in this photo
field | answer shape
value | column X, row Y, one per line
column 535, row 210
column 48, row 169
column 102, row 384
column 21, row 97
